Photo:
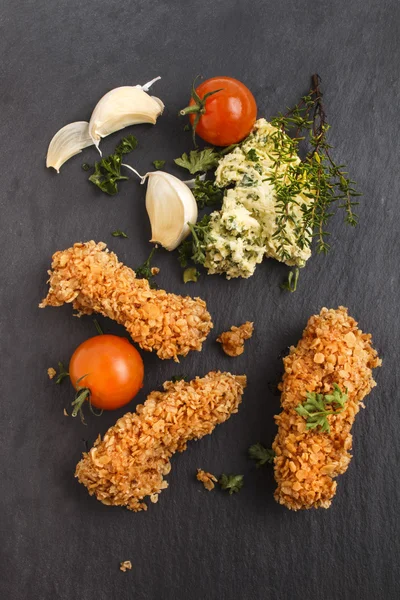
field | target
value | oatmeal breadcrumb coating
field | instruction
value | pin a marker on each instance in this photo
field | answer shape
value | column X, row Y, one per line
column 207, row 479
column 233, row 341
column 131, row 461
column 93, row 279
column 332, row 350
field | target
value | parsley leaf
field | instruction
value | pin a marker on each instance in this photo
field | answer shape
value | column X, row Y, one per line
column 119, row 233
column 315, row 410
column 248, row 181
column 252, row 155
column 190, row 274
column 261, row 455
column 126, row 145
column 107, row 171
column 231, row 483
column 206, row 193
column 106, row 174
column 159, row 163
column 198, row 161
column 145, row 271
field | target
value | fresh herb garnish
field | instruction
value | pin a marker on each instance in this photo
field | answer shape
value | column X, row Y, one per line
column 159, row 163
column 119, row 233
column 107, row 171
column 318, row 407
column 198, row 108
column 291, row 284
column 86, row 167
column 198, row 161
column 248, row 181
column 318, row 177
column 176, row 378
column 207, row 193
column 261, row 455
column 146, row 271
column 126, row 145
column 193, row 248
column 252, row 155
column 63, row 373
column 190, row 274
column 231, row 483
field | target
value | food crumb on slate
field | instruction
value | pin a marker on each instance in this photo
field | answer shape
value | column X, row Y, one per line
column 207, row 479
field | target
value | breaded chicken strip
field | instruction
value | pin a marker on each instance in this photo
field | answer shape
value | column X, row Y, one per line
column 332, row 351
column 135, row 453
column 93, row 279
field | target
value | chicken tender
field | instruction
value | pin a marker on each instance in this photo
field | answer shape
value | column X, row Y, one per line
column 131, row 461
column 332, row 351
column 93, row 280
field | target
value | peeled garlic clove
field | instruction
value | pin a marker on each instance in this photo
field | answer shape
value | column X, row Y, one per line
column 121, row 107
column 67, row 142
column 170, row 205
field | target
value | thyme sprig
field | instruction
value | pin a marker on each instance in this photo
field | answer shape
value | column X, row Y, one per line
column 317, row 176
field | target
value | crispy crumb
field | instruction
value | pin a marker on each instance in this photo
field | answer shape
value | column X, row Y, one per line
column 65, row 413
column 155, row 270
column 126, row 565
column 207, row 479
column 51, row 373
column 332, row 350
column 134, row 455
column 93, row 280
column 233, row 341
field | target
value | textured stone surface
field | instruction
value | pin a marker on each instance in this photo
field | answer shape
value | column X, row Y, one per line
column 57, row 59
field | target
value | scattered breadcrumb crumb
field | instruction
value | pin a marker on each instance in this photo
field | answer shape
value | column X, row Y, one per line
column 233, row 341
column 65, row 413
column 134, row 455
column 93, row 280
column 126, row 565
column 51, row 373
column 332, row 350
column 155, row 270
column 207, row 479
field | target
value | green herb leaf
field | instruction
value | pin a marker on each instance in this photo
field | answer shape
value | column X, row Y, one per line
column 231, row 483
column 291, row 284
column 63, row 373
column 252, row 155
column 248, row 181
column 86, row 167
column 261, row 455
column 145, row 271
column 198, row 161
column 186, row 127
column 159, row 164
column 317, row 407
column 190, row 274
column 207, row 193
column 119, row 233
column 126, row 145
column 107, row 172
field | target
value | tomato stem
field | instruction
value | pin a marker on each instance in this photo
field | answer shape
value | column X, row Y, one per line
column 82, row 394
column 195, row 108
column 198, row 108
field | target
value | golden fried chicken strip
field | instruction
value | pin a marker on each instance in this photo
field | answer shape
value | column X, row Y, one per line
column 135, row 453
column 93, row 279
column 332, row 350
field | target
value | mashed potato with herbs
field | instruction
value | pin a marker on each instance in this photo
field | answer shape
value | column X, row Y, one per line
column 242, row 232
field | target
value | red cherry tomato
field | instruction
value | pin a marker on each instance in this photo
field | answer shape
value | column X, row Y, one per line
column 229, row 115
column 110, row 367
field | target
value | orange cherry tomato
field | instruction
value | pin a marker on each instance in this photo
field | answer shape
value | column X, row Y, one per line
column 228, row 116
column 110, row 367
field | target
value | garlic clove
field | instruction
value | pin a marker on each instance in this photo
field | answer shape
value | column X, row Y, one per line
column 171, row 206
column 67, row 142
column 121, row 107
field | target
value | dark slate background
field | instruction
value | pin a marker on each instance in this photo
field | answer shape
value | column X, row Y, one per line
column 57, row 60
